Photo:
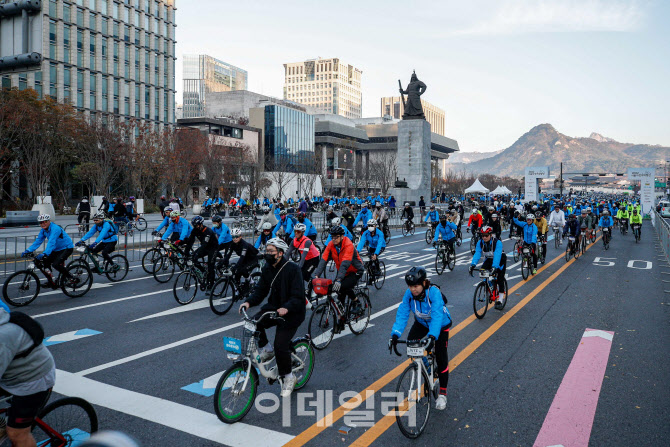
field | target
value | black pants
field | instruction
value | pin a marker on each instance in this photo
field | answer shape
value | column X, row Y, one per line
column 282, row 344
column 243, row 269
column 417, row 332
column 84, row 217
column 24, row 409
column 533, row 253
column 210, row 253
column 57, row 260
column 488, row 264
column 106, row 248
column 308, row 267
column 347, row 287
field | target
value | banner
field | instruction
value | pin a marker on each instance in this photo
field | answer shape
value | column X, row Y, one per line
column 533, row 175
column 646, row 178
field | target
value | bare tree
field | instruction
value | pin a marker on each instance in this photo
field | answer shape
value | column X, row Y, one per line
column 183, row 152
column 281, row 175
column 383, row 169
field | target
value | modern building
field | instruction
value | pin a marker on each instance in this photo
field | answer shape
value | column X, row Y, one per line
column 329, row 85
column 203, row 75
column 393, row 106
column 105, row 57
column 236, row 104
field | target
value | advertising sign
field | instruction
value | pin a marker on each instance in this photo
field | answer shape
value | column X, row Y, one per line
column 646, row 178
column 533, row 175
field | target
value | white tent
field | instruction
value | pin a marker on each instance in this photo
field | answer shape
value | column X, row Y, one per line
column 477, row 187
column 505, row 190
column 498, row 190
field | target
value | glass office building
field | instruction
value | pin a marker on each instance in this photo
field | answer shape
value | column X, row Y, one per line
column 289, row 140
column 204, row 74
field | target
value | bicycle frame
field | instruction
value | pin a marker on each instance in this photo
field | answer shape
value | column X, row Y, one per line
column 53, row 434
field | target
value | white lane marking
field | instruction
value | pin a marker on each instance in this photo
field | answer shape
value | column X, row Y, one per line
column 179, row 309
column 598, row 333
column 69, row 336
column 93, row 286
column 203, row 424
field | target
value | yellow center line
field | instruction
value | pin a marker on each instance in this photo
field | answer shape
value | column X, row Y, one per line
column 323, row 423
column 387, row 420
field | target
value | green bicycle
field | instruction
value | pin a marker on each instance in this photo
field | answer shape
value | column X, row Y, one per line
column 116, row 271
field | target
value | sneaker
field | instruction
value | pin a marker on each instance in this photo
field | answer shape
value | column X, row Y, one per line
column 48, row 285
column 534, row 271
column 266, row 355
column 287, row 385
column 499, row 301
column 441, row 402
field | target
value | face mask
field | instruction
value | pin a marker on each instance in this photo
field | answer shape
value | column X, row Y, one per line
column 371, row 229
column 217, row 225
column 443, row 222
column 270, row 259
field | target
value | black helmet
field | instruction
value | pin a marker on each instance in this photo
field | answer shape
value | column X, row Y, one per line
column 197, row 220
column 216, row 218
column 415, row 276
column 337, row 231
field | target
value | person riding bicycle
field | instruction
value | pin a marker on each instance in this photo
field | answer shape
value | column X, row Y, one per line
column 636, row 219
column 494, row 258
column 337, row 222
column 265, row 236
column 363, row 215
column 330, row 214
column 248, row 255
column 573, row 228
column 309, row 254
column 542, row 231
column 529, row 232
column 222, row 232
column 104, row 205
column 381, row 216
column 59, row 248
column 623, row 217
column 27, row 373
column 606, row 221
column 557, row 217
column 209, row 246
column 267, row 217
column 445, row 230
column 475, row 221
column 494, row 223
column 375, row 242
column 431, row 319
column 280, row 281
column 310, row 230
column 131, row 210
column 164, row 223
column 83, row 212
column 347, row 262
column 408, row 213
column 285, row 223
column 107, row 237
column 180, row 226
column 585, row 220
column 433, row 217
column 120, row 212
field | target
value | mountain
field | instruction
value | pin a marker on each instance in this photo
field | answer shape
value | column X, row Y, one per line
column 469, row 157
column 545, row 146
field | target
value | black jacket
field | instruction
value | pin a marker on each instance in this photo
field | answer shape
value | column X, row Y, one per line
column 285, row 288
column 244, row 250
column 408, row 213
column 207, row 238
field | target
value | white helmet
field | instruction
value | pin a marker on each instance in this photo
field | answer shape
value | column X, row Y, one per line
column 530, row 216
column 235, row 232
column 43, row 217
column 300, row 227
column 406, row 203
column 265, row 208
column 266, row 226
column 372, row 223
column 336, row 221
column 588, row 208
column 174, row 213
column 278, row 243
column 99, row 215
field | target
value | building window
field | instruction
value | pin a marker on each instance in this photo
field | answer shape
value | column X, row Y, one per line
column 67, row 85
column 126, row 33
column 103, row 6
column 67, row 13
column 23, row 81
column 52, row 39
column 93, row 90
column 80, row 17
column 92, row 21
column 53, row 80
column 105, row 100
column 53, row 8
column 80, row 88
column 115, row 30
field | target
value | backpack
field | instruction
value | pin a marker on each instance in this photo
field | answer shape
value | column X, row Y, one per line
column 114, row 226
column 32, row 327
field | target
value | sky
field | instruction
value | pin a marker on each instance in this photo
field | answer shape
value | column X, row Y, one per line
column 497, row 67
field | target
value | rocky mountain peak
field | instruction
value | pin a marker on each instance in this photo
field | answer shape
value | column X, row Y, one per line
column 600, row 138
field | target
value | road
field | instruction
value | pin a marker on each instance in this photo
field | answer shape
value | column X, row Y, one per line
column 149, row 365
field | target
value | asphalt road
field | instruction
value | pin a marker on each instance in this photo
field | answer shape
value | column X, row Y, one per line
column 149, row 365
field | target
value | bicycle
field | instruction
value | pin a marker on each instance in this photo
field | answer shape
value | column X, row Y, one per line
column 22, row 287
column 372, row 277
column 116, row 271
column 445, row 257
column 623, row 226
column 245, row 223
column 636, row 232
column 408, row 228
column 526, row 260
column 325, row 233
column 473, row 241
column 459, row 236
column 487, row 292
column 227, row 287
column 583, row 239
column 430, row 233
column 417, row 386
column 192, row 278
column 558, row 240
column 571, row 249
column 606, row 237
column 330, row 316
column 150, row 256
column 387, row 232
column 237, row 388
column 541, row 240
column 65, row 422
column 164, row 267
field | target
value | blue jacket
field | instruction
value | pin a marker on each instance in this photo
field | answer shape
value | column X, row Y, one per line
column 223, row 232
column 447, row 232
column 164, row 224
column 431, row 312
column 606, row 221
column 529, row 231
column 262, row 239
column 363, row 215
column 347, row 233
column 276, row 212
column 434, row 216
column 309, row 231
column 107, row 233
column 496, row 254
column 376, row 242
column 183, row 227
column 287, row 224
column 56, row 237
column 392, row 203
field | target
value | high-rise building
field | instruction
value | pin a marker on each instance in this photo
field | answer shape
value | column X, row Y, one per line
column 204, row 74
column 105, row 57
column 394, row 107
column 328, row 85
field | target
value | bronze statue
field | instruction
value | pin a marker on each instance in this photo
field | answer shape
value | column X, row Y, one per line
column 413, row 107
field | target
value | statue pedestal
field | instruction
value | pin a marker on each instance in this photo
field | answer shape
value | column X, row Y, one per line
column 413, row 161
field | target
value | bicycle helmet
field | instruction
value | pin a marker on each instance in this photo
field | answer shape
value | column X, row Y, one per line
column 486, row 230
column 267, row 226
column 378, row 205
column 432, row 207
column 415, row 276
column 300, row 227
column 406, row 203
column 174, row 213
column 216, row 218
column 530, row 216
column 162, row 197
column 588, row 208
column 491, row 208
column 236, row 232
column 197, row 221
column 282, row 213
column 84, row 198
column 337, row 231
column 132, row 198
column 99, row 215
column 336, row 221
column 265, row 208
column 534, row 207
column 278, row 244
column 572, row 216
column 43, row 217
column 494, row 215
column 606, row 212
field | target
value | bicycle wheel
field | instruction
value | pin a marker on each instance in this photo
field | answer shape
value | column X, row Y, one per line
column 80, row 283
column 185, row 287
column 429, row 236
column 295, row 256
column 184, row 213
column 480, row 300
column 118, row 269
column 412, row 229
column 450, row 259
column 322, row 325
column 163, row 269
column 504, row 301
column 413, row 412
column 379, row 279
column 358, row 313
column 231, row 403
column 141, row 224
column 557, row 240
column 221, row 297
column 439, row 262
column 324, row 236
column 473, row 244
column 21, row 288
column 525, row 267
column 387, row 235
column 302, row 361
column 70, row 419
column 149, row 258
column 459, row 239
column 516, row 253
column 568, row 251
column 405, row 230
column 123, row 228
column 577, row 253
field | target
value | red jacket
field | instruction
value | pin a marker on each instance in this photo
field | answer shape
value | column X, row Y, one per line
column 477, row 218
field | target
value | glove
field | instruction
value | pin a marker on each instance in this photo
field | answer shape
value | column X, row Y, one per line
column 471, row 269
column 177, row 242
column 393, row 341
column 25, row 253
column 430, row 343
column 79, row 244
column 154, row 233
column 434, row 244
column 39, row 257
column 336, row 286
column 93, row 245
column 309, row 283
column 467, row 230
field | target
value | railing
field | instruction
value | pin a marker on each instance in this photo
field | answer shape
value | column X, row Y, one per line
column 663, row 231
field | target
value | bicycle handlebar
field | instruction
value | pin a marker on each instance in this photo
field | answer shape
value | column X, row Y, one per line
column 421, row 341
column 273, row 315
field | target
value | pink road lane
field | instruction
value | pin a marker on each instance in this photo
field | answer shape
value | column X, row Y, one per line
column 570, row 417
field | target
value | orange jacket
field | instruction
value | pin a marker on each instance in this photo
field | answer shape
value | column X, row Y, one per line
column 347, row 254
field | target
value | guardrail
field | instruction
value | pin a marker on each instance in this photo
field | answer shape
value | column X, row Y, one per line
column 663, row 231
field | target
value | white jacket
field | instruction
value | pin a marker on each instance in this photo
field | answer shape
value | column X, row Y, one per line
column 557, row 218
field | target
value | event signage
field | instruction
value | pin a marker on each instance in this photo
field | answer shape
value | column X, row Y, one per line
column 533, row 176
column 646, row 178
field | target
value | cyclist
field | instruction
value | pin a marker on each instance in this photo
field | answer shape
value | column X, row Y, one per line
column 330, row 214
column 475, row 221
column 264, row 237
column 309, row 257
column 347, row 262
column 59, row 248
column 104, row 206
column 445, row 229
column 572, row 228
column 310, row 230
column 120, row 212
column 376, row 244
column 164, row 224
column 363, row 215
column 281, row 282
column 606, row 221
column 162, row 205
column 348, row 219
column 557, row 217
column 209, row 246
column 585, row 222
column 636, row 219
column 267, row 217
column 248, row 255
column 623, row 217
column 408, row 213
column 494, row 258
column 179, row 226
column 494, row 223
column 222, row 231
column 337, row 222
column 83, row 211
column 542, row 231
column 529, row 232
column 27, row 373
column 381, row 216
column 107, row 237
column 431, row 319
column 131, row 210
column 285, row 223
column 433, row 217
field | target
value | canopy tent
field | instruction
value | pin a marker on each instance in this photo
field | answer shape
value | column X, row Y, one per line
column 477, row 187
column 498, row 190
column 506, row 190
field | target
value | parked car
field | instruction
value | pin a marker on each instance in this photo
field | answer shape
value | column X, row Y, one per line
column 664, row 208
